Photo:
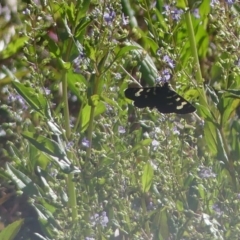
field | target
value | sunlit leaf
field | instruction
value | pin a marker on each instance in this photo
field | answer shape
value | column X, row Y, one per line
column 147, row 177
column 10, row 232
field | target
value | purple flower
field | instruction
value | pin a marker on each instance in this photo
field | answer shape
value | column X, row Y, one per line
column 213, row 2
column 109, row 109
column 230, row 2
column 121, row 129
column 85, row 143
column 196, row 13
column 169, row 61
column 155, row 143
column 80, row 60
column 15, row 98
column 173, row 12
column 125, row 20
column 150, row 206
column 2, row 132
column 104, row 219
column 175, row 131
column 159, row 52
column 237, row 62
column 47, row 91
column 118, row 76
column 165, row 76
column 176, row 14
column 109, row 16
column 70, row 145
column 206, row 172
column 96, row 219
column 167, row 9
column 217, row 209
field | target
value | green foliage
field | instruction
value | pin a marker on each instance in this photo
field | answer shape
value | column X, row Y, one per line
column 11, row 230
column 78, row 161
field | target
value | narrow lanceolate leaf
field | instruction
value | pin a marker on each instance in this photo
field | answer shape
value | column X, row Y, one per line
column 35, row 99
column 147, row 177
column 22, row 181
column 46, row 145
column 11, row 231
column 164, row 98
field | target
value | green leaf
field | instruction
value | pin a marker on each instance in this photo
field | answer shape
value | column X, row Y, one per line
column 85, row 114
column 64, row 65
column 111, row 102
column 55, row 129
column 163, row 224
column 181, row 4
column 46, row 145
column 48, row 223
column 205, row 113
column 179, row 206
column 227, row 106
column 19, row 74
column 40, row 159
column 212, row 94
column 145, row 142
column 147, row 66
column 235, row 143
column 191, row 94
column 10, row 232
column 201, row 191
column 234, row 93
column 83, row 7
column 210, row 135
column 36, row 100
column 147, row 177
column 75, row 80
column 70, row 11
column 53, row 48
column 85, row 117
column 123, row 51
column 100, row 108
column 204, row 8
column 91, row 52
column 161, row 21
column 13, row 47
column 160, row 223
column 45, row 184
column 22, row 181
column 193, row 4
column 94, row 99
column 80, row 29
column 193, row 195
column 221, row 153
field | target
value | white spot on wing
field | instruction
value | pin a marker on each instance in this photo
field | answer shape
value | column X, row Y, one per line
column 138, row 93
column 182, row 105
column 173, row 96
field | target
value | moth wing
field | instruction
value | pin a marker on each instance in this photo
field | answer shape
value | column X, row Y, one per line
column 171, row 102
column 142, row 97
column 164, row 98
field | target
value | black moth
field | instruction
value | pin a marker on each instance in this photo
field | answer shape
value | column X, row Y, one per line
column 164, row 98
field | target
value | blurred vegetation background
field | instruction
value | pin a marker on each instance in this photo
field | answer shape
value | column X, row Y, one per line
column 78, row 161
